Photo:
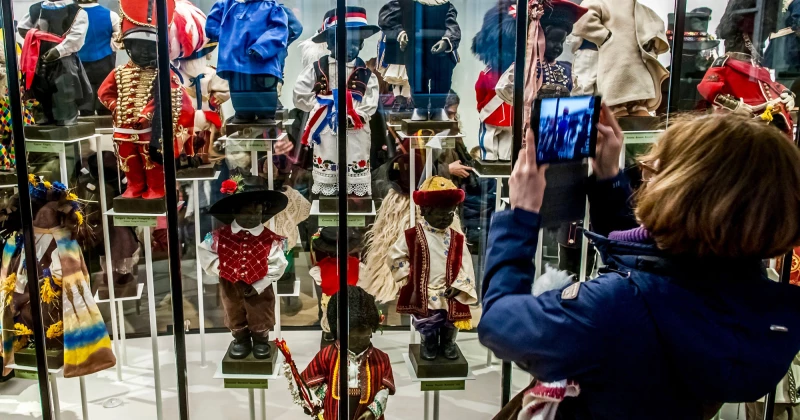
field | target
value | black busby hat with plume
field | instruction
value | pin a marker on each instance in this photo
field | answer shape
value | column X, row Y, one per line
column 495, row 43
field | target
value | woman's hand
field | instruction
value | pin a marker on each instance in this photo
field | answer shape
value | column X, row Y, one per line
column 527, row 181
column 609, row 146
column 458, row 169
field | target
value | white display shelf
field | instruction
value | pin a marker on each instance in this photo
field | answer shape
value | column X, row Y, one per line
column 211, row 178
column 139, row 289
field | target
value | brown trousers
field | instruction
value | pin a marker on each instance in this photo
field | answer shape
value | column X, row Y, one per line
column 755, row 411
column 247, row 313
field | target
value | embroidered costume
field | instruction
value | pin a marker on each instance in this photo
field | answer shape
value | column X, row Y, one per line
column 247, row 262
column 71, row 318
column 59, row 83
column 370, row 381
column 98, row 54
column 252, row 34
column 427, row 262
column 315, row 92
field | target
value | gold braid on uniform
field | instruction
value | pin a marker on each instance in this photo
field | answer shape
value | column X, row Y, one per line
column 134, row 90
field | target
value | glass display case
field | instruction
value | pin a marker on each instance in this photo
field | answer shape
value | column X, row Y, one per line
column 198, row 198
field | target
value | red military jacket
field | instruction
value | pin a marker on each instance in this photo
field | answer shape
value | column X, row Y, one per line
column 329, row 272
column 413, row 298
column 493, row 110
column 375, row 374
column 735, row 75
column 242, row 256
column 128, row 93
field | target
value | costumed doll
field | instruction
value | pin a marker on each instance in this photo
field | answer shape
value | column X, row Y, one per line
column 369, row 370
column 315, row 92
column 98, row 54
column 783, row 51
column 326, row 270
column 251, row 35
column 190, row 57
column 247, row 257
column 629, row 37
column 557, row 22
column 494, row 46
column 699, row 53
column 128, row 92
column 736, row 83
column 54, row 32
column 433, row 266
column 72, row 321
column 391, row 221
column 423, row 35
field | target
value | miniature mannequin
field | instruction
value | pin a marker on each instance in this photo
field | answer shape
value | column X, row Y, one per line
column 251, row 35
column 54, row 32
column 630, row 36
column 430, row 51
column 699, row 53
column 133, row 113
column 98, row 54
column 326, row 270
column 494, row 46
column 736, row 83
column 369, row 370
column 783, row 52
column 247, row 257
column 190, row 57
column 444, row 276
column 72, row 321
column 314, row 93
column 557, row 22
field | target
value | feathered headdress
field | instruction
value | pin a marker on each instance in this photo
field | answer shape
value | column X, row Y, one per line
column 187, row 33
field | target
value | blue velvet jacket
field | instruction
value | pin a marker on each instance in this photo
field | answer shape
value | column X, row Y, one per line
column 654, row 337
column 251, row 35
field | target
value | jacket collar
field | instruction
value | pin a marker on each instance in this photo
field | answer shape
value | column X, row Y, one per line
column 235, row 228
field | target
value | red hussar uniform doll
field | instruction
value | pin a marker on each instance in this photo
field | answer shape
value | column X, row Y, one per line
column 737, row 84
column 128, row 92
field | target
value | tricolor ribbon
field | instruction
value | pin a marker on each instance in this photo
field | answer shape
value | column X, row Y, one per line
column 326, row 115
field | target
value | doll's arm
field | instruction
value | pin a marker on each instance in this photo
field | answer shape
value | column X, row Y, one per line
column 465, row 280
column 76, row 36
column 453, row 32
column 590, row 27
column 276, row 263
column 378, row 405
column 207, row 255
column 107, row 92
column 367, row 108
column 214, row 20
column 316, row 275
column 218, row 90
column 390, row 20
column 398, row 262
column 505, row 86
column 276, row 36
column 305, row 98
column 116, row 32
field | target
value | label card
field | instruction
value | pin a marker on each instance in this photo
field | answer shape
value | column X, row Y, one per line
column 44, row 147
column 455, row 385
column 246, row 384
column 122, row 220
column 332, row 220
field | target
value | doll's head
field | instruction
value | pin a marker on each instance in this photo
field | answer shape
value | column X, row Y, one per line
column 557, row 22
column 438, row 199
column 142, row 52
column 364, row 317
column 249, row 215
column 248, row 201
column 353, row 48
column 554, row 42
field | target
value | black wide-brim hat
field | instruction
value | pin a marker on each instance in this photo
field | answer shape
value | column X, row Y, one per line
column 356, row 24
column 327, row 241
column 701, row 16
column 254, row 190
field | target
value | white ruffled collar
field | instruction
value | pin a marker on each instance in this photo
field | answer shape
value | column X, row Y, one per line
column 432, row 2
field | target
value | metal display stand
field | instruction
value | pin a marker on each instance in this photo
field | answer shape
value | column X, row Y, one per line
column 251, row 383
column 197, row 240
column 53, row 374
column 434, row 386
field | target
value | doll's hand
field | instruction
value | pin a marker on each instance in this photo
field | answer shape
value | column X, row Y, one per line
column 254, row 54
column 605, row 163
column 649, row 46
column 787, row 97
column 283, row 147
column 403, row 40
column 367, row 415
column 440, row 47
column 52, row 55
column 451, row 292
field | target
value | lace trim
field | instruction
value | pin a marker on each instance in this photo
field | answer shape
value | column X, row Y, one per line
column 325, row 189
column 360, row 190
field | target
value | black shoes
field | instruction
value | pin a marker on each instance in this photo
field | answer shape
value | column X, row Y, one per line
column 448, row 343
column 429, row 347
column 241, row 348
column 261, row 348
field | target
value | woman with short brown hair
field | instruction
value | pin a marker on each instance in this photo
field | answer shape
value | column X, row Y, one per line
column 682, row 317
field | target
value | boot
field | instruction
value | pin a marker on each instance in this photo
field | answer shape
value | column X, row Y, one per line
column 328, row 336
column 439, row 114
column 242, row 346
column 429, row 346
column 261, row 348
column 448, row 342
column 130, row 161
column 420, row 114
column 155, row 183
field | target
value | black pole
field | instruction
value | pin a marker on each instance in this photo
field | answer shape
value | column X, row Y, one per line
column 341, row 104
column 677, row 53
column 25, row 207
column 176, row 283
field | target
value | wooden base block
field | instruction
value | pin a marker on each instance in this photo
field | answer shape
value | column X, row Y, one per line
column 99, row 121
column 354, row 204
column 27, row 357
column 639, row 123
column 250, row 365
column 440, row 367
column 411, row 127
column 8, row 178
column 139, row 205
column 255, row 129
column 54, row 132
column 285, row 287
column 205, row 171
column 398, row 117
column 497, row 168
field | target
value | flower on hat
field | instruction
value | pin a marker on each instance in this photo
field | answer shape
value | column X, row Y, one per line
column 232, row 185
